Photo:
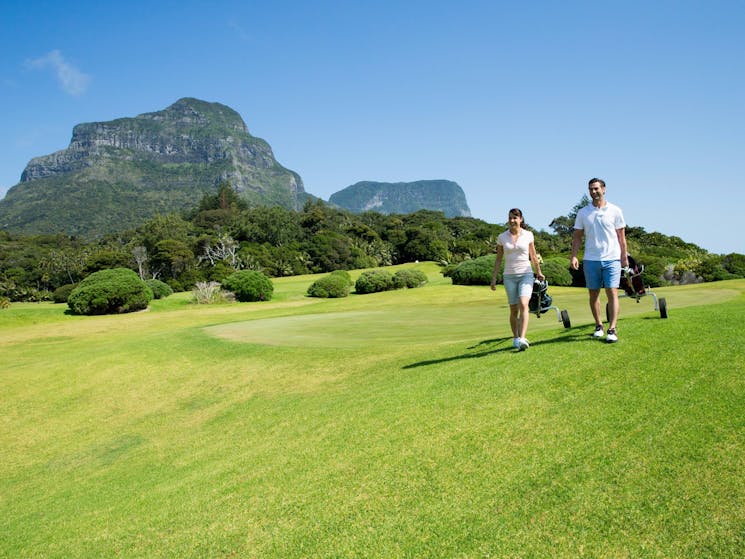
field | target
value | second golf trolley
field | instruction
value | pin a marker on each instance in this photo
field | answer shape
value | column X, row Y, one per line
column 541, row 302
column 632, row 286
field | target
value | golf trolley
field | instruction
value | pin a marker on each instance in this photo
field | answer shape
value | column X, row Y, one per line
column 632, row 285
column 541, row 302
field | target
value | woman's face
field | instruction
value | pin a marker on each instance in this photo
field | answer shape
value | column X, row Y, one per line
column 514, row 220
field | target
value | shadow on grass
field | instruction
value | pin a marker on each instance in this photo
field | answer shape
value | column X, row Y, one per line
column 501, row 345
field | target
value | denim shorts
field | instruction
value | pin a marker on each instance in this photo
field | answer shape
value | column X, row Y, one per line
column 602, row 273
column 518, row 285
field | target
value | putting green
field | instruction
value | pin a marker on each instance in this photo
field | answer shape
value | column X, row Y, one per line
column 474, row 320
column 405, row 326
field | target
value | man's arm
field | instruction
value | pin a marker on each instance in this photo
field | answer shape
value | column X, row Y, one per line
column 576, row 243
column 621, row 234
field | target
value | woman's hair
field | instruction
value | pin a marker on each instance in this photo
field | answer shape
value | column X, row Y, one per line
column 517, row 212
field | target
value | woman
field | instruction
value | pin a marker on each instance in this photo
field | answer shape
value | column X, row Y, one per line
column 517, row 247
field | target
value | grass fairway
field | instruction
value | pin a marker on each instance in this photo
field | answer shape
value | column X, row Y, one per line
column 400, row 424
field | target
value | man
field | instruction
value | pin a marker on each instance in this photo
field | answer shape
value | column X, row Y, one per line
column 601, row 224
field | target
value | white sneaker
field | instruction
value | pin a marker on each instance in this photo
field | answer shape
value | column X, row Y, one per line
column 611, row 337
column 516, row 343
column 523, row 344
column 598, row 331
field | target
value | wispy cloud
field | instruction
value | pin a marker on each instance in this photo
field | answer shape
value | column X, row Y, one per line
column 239, row 30
column 72, row 80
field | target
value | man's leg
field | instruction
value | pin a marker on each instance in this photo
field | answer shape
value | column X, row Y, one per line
column 595, row 306
column 613, row 307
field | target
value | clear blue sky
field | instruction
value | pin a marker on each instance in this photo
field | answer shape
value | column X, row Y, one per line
column 518, row 102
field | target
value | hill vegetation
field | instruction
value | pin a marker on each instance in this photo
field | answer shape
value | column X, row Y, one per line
column 224, row 234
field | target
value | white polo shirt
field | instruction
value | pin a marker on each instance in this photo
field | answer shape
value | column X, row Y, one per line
column 599, row 225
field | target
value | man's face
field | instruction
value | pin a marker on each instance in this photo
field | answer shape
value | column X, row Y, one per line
column 597, row 191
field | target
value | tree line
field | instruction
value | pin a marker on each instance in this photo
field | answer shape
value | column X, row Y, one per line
column 223, row 234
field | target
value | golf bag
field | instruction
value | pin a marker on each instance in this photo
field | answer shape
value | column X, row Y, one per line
column 540, row 300
column 631, row 279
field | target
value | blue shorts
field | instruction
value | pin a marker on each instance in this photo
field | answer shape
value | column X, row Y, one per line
column 518, row 285
column 599, row 274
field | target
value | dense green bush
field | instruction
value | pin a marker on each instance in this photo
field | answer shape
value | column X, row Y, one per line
column 735, row 264
column 249, row 285
column 343, row 274
column 474, row 272
column 374, row 281
column 119, row 290
column 556, row 270
column 61, row 294
column 654, row 270
column 160, row 289
column 331, row 286
column 409, row 278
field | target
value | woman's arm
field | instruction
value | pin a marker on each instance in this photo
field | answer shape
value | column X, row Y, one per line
column 497, row 266
column 536, row 263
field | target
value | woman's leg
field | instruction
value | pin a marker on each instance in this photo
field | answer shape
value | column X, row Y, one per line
column 515, row 320
column 524, row 317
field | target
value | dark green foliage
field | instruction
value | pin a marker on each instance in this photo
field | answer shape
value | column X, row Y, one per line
column 330, row 286
column 735, row 264
column 61, row 294
column 226, row 199
column 474, row 272
column 119, row 290
column 249, row 285
column 654, row 268
column 332, row 250
column 106, row 258
column 282, row 242
column 556, row 270
column 711, row 269
column 374, row 281
column 160, row 289
column 409, row 279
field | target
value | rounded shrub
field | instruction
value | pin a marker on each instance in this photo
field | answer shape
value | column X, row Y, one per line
column 160, row 289
column 343, row 274
column 373, row 281
column 331, row 286
column 61, row 294
column 409, row 278
column 477, row 271
column 249, row 285
column 556, row 270
column 118, row 290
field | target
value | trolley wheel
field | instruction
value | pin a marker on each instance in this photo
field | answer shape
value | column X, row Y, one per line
column 663, row 307
column 565, row 319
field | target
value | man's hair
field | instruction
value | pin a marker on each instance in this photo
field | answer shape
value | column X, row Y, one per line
column 595, row 179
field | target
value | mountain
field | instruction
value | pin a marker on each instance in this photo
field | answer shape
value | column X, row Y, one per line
column 403, row 197
column 114, row 175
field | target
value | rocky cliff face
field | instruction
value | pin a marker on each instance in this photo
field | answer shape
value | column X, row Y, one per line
column 404, row 197
column 152, row 163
